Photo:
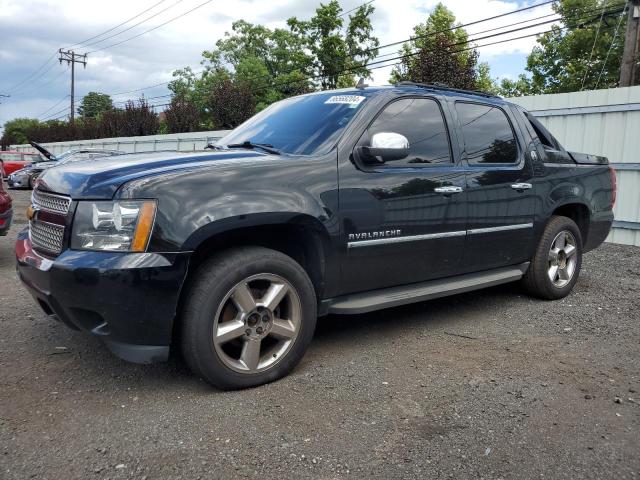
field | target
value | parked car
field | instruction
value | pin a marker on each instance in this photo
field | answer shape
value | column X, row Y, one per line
column 25, row 177
column 11, row 161
column 6, row 212
column 334, row 202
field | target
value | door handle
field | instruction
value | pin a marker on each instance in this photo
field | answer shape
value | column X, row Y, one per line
column 521, row 186
column 448, row 190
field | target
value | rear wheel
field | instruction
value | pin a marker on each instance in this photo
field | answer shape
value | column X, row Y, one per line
column 249, row 317
column 555, row 267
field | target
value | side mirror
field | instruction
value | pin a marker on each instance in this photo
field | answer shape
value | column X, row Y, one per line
column 385, row 147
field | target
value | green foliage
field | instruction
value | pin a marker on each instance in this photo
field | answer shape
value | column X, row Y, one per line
column 133, row 120
column 440, row 53
column 561, row 60
column 515, row 88
column 16, row 131
column 181, row 116
column 484, row 82
column 335, row 49
column 254, row 66
column 93, row 104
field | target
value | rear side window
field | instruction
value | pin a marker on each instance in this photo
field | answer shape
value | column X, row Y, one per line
column 543, row 134
column 488, row 136
column 421, row 121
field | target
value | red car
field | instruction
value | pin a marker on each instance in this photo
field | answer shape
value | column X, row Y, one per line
column 6, row 213
column 10, row 161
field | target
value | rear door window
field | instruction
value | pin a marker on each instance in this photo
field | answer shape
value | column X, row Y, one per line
column 487, row 133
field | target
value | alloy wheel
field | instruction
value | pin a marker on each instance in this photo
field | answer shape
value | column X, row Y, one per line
column 257, row 323
column 563, row 259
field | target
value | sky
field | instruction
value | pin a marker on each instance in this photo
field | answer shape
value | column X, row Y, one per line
column 32, row 31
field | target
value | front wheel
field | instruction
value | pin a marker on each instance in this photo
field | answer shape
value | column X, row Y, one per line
column 249, row 317
column 555, row 267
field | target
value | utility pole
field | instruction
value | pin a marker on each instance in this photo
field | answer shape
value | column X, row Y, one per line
column 72, row 58
column 629, row 68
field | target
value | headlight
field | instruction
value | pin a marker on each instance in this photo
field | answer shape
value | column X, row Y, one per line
column 113, row 226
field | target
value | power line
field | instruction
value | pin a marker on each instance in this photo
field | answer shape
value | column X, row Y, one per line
column 131, row 27
column 613, row 41
column 380, row 62
column 39, row 86
column 433, row 33
column 356, row 8
column 595, row 39
column 32, row 74
column 402, row 57
column 53, row 106
column 398, row 42
column 53, row 56
column 84, row 42
column 152, row 29
column 49, row 117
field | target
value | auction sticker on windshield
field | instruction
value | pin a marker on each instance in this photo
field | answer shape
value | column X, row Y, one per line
column 352, row 100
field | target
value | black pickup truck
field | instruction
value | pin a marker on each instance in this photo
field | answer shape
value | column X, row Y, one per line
column 334, row 202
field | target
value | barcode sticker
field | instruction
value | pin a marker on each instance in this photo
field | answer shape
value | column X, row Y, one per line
column 352, row 100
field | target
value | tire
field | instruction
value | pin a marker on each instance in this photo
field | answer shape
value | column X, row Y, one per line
column 32, row 180
column 241, row 289
column 538, row 279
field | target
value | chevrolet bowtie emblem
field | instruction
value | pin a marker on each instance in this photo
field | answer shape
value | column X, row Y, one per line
column 31, row 212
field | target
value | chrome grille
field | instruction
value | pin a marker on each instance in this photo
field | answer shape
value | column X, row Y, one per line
column 46, row 237
column 51, row 202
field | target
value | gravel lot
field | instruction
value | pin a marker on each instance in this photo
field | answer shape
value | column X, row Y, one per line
column 491, row 384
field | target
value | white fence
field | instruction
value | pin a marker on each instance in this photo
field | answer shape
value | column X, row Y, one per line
column 600, row 122
column 184, row 142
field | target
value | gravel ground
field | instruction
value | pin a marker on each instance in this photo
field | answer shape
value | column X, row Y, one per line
column 491, row 384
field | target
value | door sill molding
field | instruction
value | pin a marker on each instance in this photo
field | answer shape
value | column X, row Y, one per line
column 417, row 292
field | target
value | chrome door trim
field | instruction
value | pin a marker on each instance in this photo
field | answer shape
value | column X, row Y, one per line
column 410, row 238
column 502, row 228
column 433, row 236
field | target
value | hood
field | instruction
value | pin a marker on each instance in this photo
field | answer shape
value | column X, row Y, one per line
column 100, row 178
column 38, row 166
column 43, row 150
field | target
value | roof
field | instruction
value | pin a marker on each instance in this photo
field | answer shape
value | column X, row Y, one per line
column 415, row 87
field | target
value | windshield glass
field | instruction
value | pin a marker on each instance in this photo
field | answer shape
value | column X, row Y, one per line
column 305, row 125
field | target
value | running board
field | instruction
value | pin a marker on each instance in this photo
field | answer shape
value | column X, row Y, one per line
column 418, row 292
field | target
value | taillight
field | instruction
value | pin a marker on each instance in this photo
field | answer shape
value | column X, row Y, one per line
column 614, row 186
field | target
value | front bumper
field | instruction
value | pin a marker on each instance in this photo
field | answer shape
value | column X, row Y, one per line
column 5, row 222
column 18, row 180
column 129, row 300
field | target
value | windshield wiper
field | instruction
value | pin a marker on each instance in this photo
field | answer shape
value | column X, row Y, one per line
column 250, row 145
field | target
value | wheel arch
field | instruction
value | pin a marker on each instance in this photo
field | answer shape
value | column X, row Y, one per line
column 300, row 236
column 578, row 212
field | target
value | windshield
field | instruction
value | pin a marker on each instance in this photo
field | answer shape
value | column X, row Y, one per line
column 306, row 125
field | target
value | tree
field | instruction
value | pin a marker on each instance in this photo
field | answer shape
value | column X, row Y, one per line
column 230, row 104
column 440, row 53
column 181, row 116
column 484, row 82
column 19, row 130
column 339, row 54
column 515, row 88
column 93, row 104
column 563, row 60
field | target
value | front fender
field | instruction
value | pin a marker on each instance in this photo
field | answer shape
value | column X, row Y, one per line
column 196, row 204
